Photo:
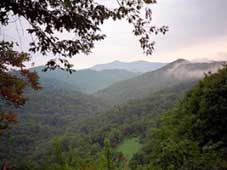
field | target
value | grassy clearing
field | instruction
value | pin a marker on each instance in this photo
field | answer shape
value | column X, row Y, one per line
column 129, row 147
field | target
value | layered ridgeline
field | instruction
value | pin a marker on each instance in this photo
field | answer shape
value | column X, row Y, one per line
column 177, row 72
column 86, row 81
column 61, row 110
column 135, row 66
column 132, row 118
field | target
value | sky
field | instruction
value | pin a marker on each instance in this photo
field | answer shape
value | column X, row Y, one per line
column 197, row 31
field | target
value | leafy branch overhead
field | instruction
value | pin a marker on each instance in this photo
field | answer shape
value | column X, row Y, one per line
column 83, row 18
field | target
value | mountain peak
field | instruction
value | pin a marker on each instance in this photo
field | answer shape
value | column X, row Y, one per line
column 181, row 60
column 117, row 61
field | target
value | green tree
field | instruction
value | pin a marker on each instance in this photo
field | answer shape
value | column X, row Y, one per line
column 108, row 155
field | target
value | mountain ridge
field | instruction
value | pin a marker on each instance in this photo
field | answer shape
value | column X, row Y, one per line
column 134, row 66
column 86, row 81
column 174, row 73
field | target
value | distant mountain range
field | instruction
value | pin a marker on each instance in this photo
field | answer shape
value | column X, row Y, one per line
column 136, row 66
column 116, row 82
column 178, row 72
column 86, row 81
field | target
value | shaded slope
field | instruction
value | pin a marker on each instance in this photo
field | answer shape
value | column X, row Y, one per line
column 144, row 85
column 133, row 117
column 86, row 81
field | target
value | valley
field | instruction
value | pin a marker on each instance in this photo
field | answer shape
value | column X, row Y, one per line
column 117, row 105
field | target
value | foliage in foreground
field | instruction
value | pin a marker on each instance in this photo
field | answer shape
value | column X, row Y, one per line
column 193, row 134
column 12, row 85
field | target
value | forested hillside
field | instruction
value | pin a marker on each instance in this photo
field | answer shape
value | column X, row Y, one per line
column 131, row 118
column 46, row 114
column 191, row 135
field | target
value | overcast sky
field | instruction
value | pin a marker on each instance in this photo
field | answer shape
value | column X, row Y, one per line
column 198, row 31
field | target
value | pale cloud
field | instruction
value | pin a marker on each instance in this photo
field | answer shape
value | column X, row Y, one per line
column 214, row 49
